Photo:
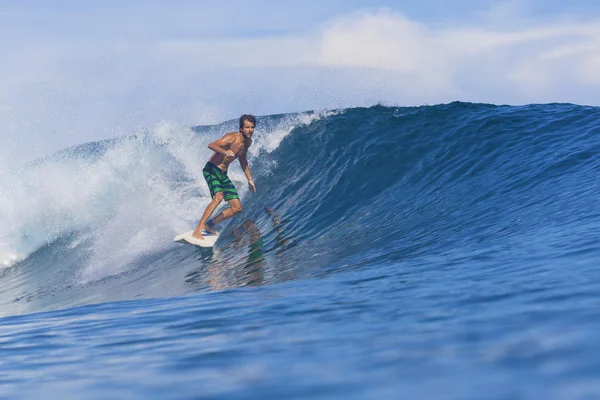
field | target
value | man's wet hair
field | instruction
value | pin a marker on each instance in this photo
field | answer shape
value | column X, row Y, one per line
column 249, row 118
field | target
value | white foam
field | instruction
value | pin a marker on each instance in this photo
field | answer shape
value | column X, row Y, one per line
column 284, row 127
column 145, row 188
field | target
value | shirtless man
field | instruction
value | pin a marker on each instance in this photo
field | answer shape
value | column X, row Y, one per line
column 231, row 146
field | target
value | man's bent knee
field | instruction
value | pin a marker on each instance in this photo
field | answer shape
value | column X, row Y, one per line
column 236, row 208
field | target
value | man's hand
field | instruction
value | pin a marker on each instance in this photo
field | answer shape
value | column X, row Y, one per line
column 251, row 186
column 229, row 153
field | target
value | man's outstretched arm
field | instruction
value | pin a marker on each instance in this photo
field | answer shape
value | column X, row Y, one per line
column 246, row 169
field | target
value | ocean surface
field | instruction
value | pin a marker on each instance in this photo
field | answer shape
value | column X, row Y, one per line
column 434, row 252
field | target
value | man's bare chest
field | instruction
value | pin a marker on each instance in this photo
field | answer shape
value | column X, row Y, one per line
column 237, row 147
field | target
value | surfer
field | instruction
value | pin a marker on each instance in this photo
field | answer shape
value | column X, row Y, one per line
column 231, row 146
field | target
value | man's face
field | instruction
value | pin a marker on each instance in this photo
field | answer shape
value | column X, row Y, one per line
column 248, row 129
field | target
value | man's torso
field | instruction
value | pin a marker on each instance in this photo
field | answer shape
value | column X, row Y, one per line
column 238, row 147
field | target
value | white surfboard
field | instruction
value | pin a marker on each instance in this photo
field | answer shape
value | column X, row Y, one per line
column 209, row 239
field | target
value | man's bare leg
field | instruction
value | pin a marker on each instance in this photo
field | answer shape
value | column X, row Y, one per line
column 235, row 206
column 212, row 206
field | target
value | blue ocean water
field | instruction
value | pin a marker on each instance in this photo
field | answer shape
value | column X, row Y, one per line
column 445, row 251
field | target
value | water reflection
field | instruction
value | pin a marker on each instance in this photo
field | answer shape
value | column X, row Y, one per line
column 240, row 257
column 237, row 262
column 282, row 241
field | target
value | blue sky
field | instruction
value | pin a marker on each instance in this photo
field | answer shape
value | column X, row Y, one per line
column 76, row 71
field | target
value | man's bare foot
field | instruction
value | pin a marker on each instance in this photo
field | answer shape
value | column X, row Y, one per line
column 198, row 234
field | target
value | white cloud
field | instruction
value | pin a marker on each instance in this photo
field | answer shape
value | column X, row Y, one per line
column 532, row 56
column 383, row 40
column 589, row 70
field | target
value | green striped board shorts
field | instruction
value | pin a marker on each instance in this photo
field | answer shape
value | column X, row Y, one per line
column 218, row 181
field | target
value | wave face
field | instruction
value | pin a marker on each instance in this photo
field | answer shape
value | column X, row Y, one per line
column 336, row 191
column 388, row 253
